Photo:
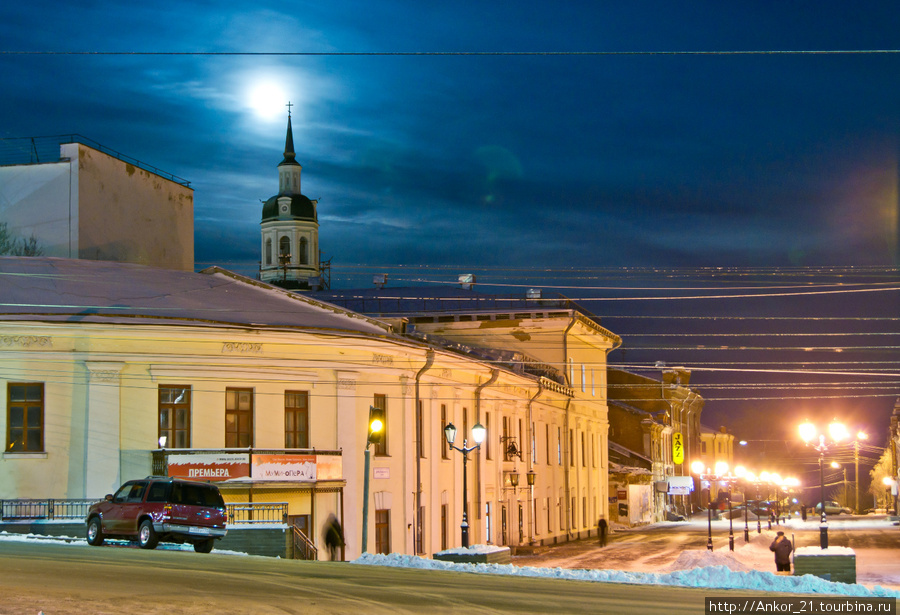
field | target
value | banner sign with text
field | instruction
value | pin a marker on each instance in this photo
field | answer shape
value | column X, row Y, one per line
column 210, row 466
column 677, row 448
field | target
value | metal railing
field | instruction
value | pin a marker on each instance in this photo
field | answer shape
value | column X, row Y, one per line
column 303, row 546
column 50, row 510
column 31, row 150
column 240, row 513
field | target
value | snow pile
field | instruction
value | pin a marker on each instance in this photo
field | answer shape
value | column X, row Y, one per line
column 713, row 577
column 820, row 551
column 473, row 550
column 689, row 560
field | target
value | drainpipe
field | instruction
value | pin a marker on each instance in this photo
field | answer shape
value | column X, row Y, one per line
column 568, row 460
column 429, row 361
column 530, row 464
column 494, row 375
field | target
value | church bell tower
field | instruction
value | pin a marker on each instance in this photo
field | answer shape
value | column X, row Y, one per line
column 290, row 228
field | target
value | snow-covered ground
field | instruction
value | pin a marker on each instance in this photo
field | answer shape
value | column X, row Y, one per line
column 747, row 568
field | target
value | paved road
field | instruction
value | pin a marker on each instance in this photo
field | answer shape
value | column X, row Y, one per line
column 657, row 547
column 59, row 579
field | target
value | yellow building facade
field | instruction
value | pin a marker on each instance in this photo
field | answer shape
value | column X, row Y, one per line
column 115, row 371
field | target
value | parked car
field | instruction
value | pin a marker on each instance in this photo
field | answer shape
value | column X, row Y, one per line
column 158, row 509
column 833, row 508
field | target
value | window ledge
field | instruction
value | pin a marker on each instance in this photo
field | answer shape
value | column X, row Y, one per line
column 35, row 455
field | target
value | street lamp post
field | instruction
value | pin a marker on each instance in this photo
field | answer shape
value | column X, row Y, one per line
column 707, row 474
column 809, row 434
column 859, row 436
column 478, row 433
column 375, row 433
column 742, row 474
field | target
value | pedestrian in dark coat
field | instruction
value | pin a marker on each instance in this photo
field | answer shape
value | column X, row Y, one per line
column 803, row 511
column 602, row 528
column 782, row 548
column 334, row 537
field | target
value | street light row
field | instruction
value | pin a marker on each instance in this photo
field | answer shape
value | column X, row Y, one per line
column 721, row 473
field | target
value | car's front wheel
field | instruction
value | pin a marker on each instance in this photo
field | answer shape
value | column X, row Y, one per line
column 203, row 546
column 95, row 532
column 147, row 538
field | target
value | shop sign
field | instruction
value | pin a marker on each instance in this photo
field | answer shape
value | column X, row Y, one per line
column 295, row 468
column 209, row 466
column 677, row 448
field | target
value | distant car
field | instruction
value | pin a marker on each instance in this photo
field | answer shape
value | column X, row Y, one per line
column 158, row 509
column 833, row 508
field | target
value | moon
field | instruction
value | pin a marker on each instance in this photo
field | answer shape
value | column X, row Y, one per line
column 267, row 100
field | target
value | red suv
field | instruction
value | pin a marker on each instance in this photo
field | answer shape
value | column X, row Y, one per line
column 160, row 509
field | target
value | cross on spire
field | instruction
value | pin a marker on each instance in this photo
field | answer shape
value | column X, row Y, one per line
column 289, row 105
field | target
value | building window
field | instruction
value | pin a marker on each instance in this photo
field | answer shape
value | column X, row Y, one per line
column 420, row 530
column 547, row 441
column 445, row 450
column 559, row 446
column 25, row 417
column 383, row 531
column 284, row 246
column 296, row 419
column 562, row 513
column 572, row 447
column 487, row 439
column 269, row 251
column 533, row 445
column 380, row 402
column 593, row 388
column 703, row 447
column 238, row 418
column 174, row 416
column 549, row 517
column 504, row 439
column 444, row 522
column 465, row 425
column 583, row 379
column 302, row 251
column 420, row 430
column 583, row 451
column 487, row 522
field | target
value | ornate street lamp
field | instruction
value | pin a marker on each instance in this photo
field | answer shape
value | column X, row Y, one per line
column 478, row 434
column 810, row 435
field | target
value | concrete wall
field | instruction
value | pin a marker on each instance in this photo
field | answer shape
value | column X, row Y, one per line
column 94, row 206
column 130, row 215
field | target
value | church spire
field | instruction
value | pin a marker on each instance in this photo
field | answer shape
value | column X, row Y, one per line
column 289, row 155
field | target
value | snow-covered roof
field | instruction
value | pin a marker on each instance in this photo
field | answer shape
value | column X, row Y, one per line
column 60, row 289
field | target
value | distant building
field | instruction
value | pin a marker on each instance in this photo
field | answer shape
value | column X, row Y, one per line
column 290, row 229
column 645, row 416
column 95, row 204
column 565, row 445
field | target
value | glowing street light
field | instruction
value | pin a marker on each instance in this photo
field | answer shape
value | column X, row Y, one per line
column 809, row 433
column 720, row 473
column 478, row 434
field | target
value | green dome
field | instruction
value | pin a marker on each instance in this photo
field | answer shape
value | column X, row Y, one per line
column 301, row 207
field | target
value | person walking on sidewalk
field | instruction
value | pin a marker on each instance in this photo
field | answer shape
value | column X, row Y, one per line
column 782, row 548
column 602, row 528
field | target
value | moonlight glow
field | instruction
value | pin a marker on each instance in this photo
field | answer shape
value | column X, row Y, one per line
column 268, row 100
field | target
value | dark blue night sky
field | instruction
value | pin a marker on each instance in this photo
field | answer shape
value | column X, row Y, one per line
column 521, row 168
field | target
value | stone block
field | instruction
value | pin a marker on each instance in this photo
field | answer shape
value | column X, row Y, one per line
column 839, row 568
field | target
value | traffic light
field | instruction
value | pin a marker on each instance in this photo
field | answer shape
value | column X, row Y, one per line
column 376, row 425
